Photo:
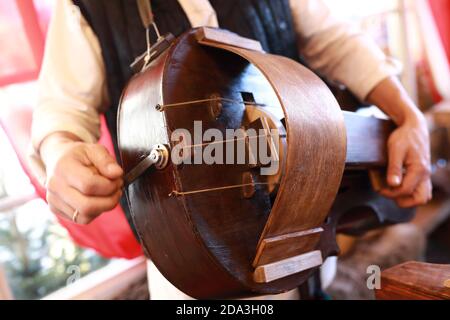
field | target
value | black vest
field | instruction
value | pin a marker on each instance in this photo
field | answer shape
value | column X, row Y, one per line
column 121, row 35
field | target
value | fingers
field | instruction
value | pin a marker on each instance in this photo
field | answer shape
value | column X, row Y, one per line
column 414, row 175
column 404, row 155
column 104, row 162
column 85, row 180
column 63, row 199
column 420, row 196
column 396, row 157
column 88, row 207
column 59, row 207
column 408, row 172
column 78, row 171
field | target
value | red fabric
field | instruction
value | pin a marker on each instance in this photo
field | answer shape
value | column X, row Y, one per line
column 22, row 39
column 441, row 13
column 110, row 234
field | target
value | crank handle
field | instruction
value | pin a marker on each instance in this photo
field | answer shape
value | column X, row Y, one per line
column 158, row 157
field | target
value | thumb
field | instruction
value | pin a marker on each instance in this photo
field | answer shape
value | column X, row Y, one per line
column 396, row 158
column 104, row 162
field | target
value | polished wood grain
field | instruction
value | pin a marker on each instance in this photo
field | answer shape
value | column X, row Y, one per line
column 366, row 140
column 287, row 245
column 229, row 38
column 415, row 281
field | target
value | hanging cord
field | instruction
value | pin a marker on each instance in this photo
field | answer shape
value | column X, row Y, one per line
column 147, row 18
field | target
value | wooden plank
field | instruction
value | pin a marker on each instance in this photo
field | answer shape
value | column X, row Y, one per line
column 285, row 246
column 415, row 280
column 208, row 35
column 366, row 140
column 286, row 267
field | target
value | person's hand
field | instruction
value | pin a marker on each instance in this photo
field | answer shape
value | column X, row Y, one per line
column 81, row 176
column 408, row 172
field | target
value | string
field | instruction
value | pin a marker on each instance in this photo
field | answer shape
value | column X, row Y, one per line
column 155, row 27
column 149, row 54
column 147, row 18
column 160, row 107
column 232, row 140
column 183, row 193
column 149, row 46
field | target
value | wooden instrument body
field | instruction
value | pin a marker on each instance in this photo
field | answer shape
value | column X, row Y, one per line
column 208, row 244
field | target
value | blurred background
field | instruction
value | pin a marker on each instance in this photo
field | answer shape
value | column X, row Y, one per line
column 43, row 257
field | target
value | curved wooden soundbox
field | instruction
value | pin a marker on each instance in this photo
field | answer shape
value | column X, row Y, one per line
column 226, row 230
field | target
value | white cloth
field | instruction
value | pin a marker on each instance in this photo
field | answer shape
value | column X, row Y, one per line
column 161, row 289
column 73, row 90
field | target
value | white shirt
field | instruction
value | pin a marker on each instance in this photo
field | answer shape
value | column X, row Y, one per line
column 72, row 83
